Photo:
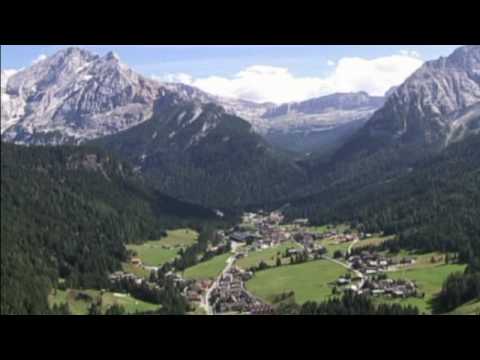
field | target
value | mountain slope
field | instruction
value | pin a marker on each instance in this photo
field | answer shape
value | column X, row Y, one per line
column 428, row 109
column 66, row 213
column 75, row 95
column 436, row 106
column 435, row 206
column 202, row 154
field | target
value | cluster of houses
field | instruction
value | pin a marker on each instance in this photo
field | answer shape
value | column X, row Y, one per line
column 260, row 230
column 120, row 277
column 263, row 218
column 378, row 286
column 195, row 289
column 371, row 263
column 230, row 296
column 308, row 240
column 370, row 278
column 395, row 288
column 344, row 238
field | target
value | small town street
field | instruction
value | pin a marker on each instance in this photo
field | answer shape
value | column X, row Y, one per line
column 205, row 304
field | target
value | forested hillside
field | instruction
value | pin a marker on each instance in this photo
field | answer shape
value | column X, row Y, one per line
column 66, row 213
column 201, row 154
column 436, row 206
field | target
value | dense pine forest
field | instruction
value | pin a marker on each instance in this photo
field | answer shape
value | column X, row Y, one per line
column 348, row 304
column 67, row 213
column 227, row 167
column 433, row 206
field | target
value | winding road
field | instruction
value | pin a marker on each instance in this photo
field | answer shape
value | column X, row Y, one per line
column 346, row 266
column 205, row 303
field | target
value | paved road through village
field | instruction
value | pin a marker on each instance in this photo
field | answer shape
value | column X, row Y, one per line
column 205, row 304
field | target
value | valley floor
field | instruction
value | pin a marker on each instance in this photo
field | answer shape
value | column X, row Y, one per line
column 79, row 301
column 265, row 271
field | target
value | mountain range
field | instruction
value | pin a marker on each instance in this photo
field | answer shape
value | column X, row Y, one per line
column 223, row 152
column 134, row 157
column 320, row 124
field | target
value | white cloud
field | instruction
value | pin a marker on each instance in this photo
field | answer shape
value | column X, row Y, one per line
column 331, row 63
column 6, row 74
column 39, row 58
column 411, row 53
column 176, row 78
column 262, row 83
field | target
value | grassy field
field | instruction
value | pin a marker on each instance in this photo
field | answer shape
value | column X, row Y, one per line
column 80, row 307
column 180, row 238
column 158, row 252
column 429, row 280
column 137, row 270
column 309, row 281
column 209, row 269
column 470, row 308
column 267, row 255
column 154, row 253
column 374, row 240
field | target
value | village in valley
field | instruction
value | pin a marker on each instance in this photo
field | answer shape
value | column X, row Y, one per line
column 260, row 231
column 239, row 273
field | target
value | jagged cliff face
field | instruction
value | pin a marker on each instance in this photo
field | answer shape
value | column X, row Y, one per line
column 73, row 96
column 436, row 105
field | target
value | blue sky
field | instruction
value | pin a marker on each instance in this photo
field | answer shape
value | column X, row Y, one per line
column 217, row 68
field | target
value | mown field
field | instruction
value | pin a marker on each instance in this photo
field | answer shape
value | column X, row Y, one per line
column 137, row 270
column 180, row 238
column 209, row 269
column 80, row 307
column 267, row 255
column 429, row 280
column 158, row 252
column 374, row 240
column 310, row 281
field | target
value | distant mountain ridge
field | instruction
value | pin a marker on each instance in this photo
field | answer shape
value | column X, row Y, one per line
column 321, row 124
column 74, row 96
column 337, row 101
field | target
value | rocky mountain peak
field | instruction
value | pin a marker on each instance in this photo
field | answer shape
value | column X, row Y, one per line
column 112, row 56
column 435, row 104
column 76, row 95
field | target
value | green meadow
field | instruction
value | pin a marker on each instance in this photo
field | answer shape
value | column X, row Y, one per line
column 374, row 240
column 158, row 252
column 310, row 281
column 80, row 307
column 428, row 279
column 267, row 255
column 209, row 269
